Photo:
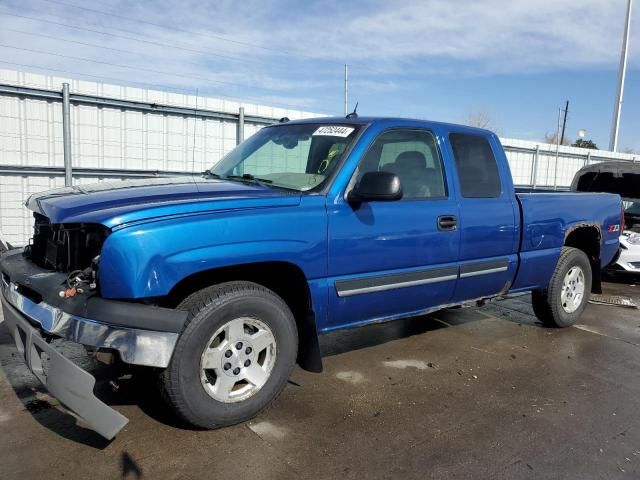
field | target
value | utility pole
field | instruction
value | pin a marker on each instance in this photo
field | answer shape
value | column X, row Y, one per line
column 617, row 107
column 346, row 89
column 66, row 135
column 555, row 172
column 564, row 122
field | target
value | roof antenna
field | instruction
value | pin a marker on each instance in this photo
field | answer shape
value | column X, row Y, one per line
column 354, row 114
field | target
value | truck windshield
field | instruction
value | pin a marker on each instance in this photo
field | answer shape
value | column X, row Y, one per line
column 296, row 156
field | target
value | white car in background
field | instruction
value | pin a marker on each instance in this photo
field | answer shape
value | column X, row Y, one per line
column 629, row 259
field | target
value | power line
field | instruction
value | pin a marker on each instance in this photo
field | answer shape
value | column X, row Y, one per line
column 97, row 77
column 155, row 85
column 183, row 46
column 166, row 27
column 296, row 54
column 77, row 42
column 86, row 44
column 125, row 37
column 141, row 69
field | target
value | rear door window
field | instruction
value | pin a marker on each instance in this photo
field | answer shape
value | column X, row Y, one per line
column 476, row 166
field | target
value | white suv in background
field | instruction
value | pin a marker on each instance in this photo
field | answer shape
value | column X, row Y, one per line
column 629, row 259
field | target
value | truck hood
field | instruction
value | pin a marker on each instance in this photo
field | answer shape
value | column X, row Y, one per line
column 117, row 203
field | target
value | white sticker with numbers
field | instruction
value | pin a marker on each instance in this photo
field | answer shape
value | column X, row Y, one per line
column 334, row 131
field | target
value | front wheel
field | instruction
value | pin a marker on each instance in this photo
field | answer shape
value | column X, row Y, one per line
column 234, row 356
column 565, row 298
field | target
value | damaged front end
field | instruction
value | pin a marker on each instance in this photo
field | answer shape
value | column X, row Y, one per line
column 65, row 247
column 51, row 289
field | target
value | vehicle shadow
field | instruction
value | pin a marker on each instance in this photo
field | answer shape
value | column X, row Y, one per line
column 138, row 388
column 342, row 341
column 34, row 397
column 617, row 278
column 141, row 388
column 375, row 334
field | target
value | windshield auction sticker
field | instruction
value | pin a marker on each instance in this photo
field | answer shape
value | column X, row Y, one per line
column 333, row 131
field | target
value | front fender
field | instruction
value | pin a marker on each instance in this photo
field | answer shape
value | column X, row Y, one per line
column 149, row 259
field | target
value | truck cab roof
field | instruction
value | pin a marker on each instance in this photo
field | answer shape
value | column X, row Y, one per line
column 390, row 122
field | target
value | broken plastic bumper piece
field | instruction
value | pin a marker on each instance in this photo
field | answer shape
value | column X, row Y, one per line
column 66, row 381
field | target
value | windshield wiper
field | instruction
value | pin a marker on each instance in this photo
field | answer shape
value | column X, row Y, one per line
column 210, row 174
column 247, row 177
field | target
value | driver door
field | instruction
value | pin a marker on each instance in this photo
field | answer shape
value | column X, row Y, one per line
column 390, row 258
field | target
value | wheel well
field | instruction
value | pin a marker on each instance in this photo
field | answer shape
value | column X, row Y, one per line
column 287, row 280
column 587, row 239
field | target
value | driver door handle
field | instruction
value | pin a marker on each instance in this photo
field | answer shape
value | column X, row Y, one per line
column 447, row 222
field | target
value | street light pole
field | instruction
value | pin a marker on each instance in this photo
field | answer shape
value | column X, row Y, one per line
column 555, row 171
column 617, row 107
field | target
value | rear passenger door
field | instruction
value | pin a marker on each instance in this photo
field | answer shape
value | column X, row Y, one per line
column 489, row 215
column 388, row 258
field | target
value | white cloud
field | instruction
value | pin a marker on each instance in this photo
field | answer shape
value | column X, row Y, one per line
column 390, row 44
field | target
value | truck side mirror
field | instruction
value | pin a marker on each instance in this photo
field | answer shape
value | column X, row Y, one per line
column 376, row 186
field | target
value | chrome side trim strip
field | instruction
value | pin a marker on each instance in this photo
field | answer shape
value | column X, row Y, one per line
column 483, row 272
column 483, row 267
column 346, row 288
column 391, row 286
column 136, row 346
column 380, row 283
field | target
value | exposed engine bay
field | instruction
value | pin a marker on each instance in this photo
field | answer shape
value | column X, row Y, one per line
column 68, row 248
column 65, row 247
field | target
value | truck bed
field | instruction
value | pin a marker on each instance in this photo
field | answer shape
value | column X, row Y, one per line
column 548, row 218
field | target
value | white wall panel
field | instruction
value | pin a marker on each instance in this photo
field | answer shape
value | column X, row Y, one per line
column 106, row 138
column 118, row 139
column 521, row 153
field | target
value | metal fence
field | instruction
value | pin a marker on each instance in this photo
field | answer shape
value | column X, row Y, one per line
column 111, row 133
column 545, row 166
column 66, row 99
column 96, row 132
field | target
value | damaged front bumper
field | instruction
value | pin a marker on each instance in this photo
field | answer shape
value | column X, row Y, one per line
column 70, row 384
column 32, row 321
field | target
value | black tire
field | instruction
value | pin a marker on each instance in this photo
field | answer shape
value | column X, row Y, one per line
column 547, row 304
column 209, row 309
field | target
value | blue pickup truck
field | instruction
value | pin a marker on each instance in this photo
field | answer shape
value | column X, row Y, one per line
column 219, row 284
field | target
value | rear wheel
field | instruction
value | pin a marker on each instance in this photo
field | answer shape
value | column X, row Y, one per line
column 564, row 300
column 234, row 356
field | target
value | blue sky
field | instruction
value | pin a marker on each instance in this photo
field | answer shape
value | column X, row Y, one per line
column 517, row 61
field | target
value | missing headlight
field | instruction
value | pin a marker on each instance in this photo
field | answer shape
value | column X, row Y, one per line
column 65, row 247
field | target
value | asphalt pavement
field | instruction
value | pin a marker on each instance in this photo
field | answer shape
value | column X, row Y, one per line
column 465, row 393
